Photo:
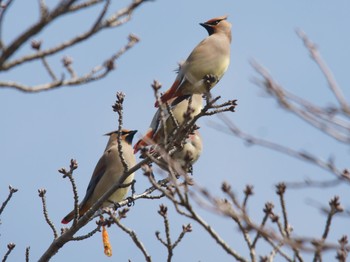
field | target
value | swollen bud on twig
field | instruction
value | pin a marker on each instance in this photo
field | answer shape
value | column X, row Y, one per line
column 12, row 189
column 156, row 85
column 73, row 164
column 334, row 203
column 110, row 65
column 281, row 188
column 163, row 210
column 42, row 192
column 133, row 38
column 67, row 61
column 248, row 191
column 36, row 44
column 225, row 187
column 122, row 213
column 118, row 105
column 268, row 208
column 11, row 246
column 187, row 228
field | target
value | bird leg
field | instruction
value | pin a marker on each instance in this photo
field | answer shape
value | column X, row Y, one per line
column 116, row 205
column 210, row 80
column 133, row 187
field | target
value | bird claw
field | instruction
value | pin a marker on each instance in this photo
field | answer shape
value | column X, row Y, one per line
column 131, row 201
column 116, row 205
column 210, row 80
column 190, row 169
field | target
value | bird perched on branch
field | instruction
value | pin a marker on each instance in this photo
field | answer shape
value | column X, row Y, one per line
column 190, row 148
column 108, row 171
column 155, row 133
column 190, row 151
column 206, row 64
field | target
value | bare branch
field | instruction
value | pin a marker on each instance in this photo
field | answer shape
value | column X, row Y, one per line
column 73, row 165
column 8, row 51
column 251, row 140
column 3, row 9
column 10, row 247
column 268, row 211
column 332, row 83
column 324, row 120
column 95, row 74
column 42, row 193
column 90, row 234
column 118, row 107
column 131, row 233
column 27, row 253
column 12, row 191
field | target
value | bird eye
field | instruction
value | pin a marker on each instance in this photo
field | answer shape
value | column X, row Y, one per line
column 215, row 22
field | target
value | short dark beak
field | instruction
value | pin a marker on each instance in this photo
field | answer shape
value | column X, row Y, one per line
column 109, row 133
column 133, row 132
column 130, row 136
column 208, row 27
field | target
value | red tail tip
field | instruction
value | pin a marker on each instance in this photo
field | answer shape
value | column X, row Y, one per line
column 64, row 221
column 137, row 146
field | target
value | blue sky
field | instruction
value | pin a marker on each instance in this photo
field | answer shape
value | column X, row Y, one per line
column 40, row 133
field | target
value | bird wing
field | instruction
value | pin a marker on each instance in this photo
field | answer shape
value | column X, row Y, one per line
column 99, row 171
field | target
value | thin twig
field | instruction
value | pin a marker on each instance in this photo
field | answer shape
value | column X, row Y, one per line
column 332, row 83
column 10, row 247
column 12, row 191
column 335, row 208
column 118, row 107
column 133, row 236
column 251, row 140
column 185, row 229
column 27, row 254
column 3, row 10
column 73, row 165
column 42, row 193
column 90, row 234
column 268, row 211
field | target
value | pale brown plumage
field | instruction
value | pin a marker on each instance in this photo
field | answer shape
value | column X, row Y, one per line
column 210, row 58
column 107, row 172
column 155, row 133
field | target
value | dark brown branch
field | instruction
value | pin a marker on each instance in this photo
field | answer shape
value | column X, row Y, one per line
column 3, row 9
column 33, row 30
column 27, row 254
column 10, row 247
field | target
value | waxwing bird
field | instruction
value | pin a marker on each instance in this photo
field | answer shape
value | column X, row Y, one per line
column 190, row 151
column 209, row 60
column 107, row 172
column 155, row 133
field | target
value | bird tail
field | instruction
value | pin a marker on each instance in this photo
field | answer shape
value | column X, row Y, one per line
column 170, row 93
column 70, row 216
column 145, row 141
